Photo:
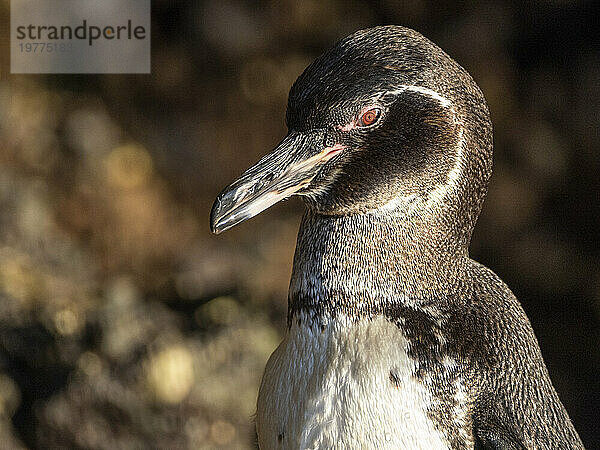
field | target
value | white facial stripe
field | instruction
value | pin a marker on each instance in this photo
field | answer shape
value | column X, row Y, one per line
column 439, row 193
column 402, row 88
column 409, row 203
column 422, row 90
column 400, row 202
column 457, row 169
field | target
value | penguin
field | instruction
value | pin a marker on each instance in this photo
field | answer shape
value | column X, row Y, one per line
column 395, row 338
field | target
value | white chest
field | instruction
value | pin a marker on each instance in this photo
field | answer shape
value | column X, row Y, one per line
column 344, row 385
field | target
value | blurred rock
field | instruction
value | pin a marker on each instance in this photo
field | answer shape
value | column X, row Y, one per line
column 92, row 132
column 235, row 28
column 128, row 167
column 170, row 374
column 10, row 396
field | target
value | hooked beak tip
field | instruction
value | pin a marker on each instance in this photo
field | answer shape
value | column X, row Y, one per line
column 216, row 229
column 217, row 213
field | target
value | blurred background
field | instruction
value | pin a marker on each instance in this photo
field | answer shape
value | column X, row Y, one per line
column 124, row 324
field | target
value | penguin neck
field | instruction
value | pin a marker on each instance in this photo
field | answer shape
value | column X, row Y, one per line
column 370, row 264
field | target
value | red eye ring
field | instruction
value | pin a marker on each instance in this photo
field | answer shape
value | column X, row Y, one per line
column 369, row 117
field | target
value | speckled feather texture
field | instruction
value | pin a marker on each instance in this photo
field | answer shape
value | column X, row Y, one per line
column 396, row 339
column 337, row 375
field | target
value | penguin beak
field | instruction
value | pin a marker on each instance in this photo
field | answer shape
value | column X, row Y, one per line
column 289, row 168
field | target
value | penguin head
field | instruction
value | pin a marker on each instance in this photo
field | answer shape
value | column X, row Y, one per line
column 383, row 123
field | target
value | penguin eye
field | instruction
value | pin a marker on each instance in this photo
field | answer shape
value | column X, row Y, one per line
column 369, row 117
